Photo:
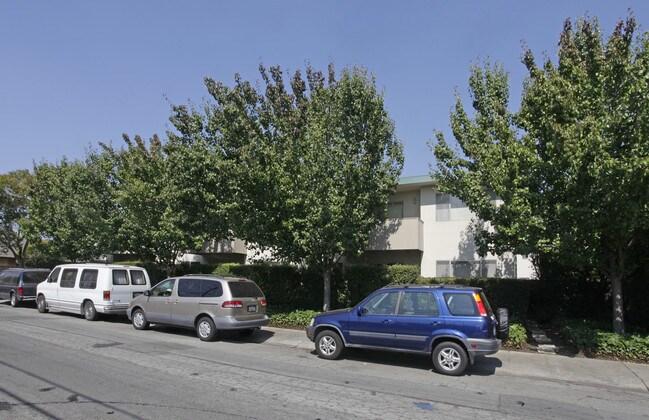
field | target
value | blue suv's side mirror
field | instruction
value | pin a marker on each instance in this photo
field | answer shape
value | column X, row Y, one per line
column 360, row 311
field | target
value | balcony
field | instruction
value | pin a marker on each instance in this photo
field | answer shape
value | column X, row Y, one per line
column 398, row 234
column 224, row 246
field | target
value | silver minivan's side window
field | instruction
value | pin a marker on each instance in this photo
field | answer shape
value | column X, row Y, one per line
column 137, row 277
column 88, row 279
column 189, row 288
column 120, row 277
column 68, row 277
column 211, row 288
column 163, row 288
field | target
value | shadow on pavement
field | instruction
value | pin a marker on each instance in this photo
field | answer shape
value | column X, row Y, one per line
column 483, row 366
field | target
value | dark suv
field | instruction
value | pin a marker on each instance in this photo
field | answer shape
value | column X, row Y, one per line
column 451, row 323
column 19, row 284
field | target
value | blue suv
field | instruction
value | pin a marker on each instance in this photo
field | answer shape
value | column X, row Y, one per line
column 451, row 323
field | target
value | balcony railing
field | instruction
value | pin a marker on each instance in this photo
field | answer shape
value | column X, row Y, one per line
column 398, row 234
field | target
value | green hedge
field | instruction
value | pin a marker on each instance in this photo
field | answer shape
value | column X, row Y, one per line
column 284, row 286
column 290, row 287
column 594, row 339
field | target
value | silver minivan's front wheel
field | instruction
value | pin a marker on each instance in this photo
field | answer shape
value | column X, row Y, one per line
column 450, row 358
column 139, row 320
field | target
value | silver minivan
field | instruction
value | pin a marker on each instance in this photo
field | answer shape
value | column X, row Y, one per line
column 204, row 302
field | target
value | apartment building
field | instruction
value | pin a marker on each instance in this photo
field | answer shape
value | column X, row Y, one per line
column 431, row 229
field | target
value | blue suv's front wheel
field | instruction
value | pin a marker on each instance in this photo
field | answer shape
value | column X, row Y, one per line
column 328, row 345
column 450, row 358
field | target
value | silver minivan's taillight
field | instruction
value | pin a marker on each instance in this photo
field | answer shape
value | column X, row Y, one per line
column 232, row 304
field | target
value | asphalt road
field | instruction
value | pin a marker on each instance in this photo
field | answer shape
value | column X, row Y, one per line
column 60, row 366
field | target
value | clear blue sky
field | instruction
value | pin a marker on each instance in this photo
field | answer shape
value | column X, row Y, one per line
column 73, row 73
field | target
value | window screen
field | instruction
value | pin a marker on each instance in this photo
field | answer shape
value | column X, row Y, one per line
column 137, row 277
column 120, row 277
column 88, row 279
column 68, row 277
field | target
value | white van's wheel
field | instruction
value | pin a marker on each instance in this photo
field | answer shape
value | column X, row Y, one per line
column 89, row 311
column 41, row 305
column 139, row 320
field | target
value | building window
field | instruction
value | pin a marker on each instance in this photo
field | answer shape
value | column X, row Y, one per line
column 395, row 210
column 465, row 268
column 449, row 208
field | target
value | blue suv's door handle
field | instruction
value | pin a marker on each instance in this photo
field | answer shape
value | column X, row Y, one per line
column 387, row 321
column 435, row 323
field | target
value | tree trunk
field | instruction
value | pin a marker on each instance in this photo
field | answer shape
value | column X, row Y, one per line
column 616, row 275
column 618, row 302
column 326, row 276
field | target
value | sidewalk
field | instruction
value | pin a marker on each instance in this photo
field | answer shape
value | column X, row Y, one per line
column 610, row 373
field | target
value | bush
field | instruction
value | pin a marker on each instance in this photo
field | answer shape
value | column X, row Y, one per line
column 294, row 319
column 517, row 336
column 594, row 339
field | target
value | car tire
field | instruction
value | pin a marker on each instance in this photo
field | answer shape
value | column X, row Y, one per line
column 502, row 330
column 41, row 304
column 205, row 329
column 329, row 345
column 89, row 311
column 139, row 320
column 13, row 300
column 450, row 358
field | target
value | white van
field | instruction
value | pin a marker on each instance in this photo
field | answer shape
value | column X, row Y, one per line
column 88, row 289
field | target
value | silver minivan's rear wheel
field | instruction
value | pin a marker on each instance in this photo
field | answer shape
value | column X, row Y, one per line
column 139, row 320
column 450, row 358
column 205, row 329
column 41, row 305
column 329, row 345
column 89, row 311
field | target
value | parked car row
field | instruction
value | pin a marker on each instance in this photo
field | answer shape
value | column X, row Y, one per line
column 452, row 324
column 204, row 302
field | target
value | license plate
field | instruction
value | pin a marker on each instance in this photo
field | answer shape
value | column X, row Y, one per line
column 252, row 308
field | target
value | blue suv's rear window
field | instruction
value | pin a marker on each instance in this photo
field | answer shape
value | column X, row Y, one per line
column 461, row 304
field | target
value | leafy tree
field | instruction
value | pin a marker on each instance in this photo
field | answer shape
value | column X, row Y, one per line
column 158, row 214
column 307, row 170
column 14, row 201
column 572, row 166
column 70, row 212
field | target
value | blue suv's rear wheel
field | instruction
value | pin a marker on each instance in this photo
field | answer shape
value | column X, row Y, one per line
column 328, row 345
column 450, row 358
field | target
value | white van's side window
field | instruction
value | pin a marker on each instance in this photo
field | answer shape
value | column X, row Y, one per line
column 120, row 277
column 137, row 277
column 68, row 277
column 54, row 275
column 88, row 279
